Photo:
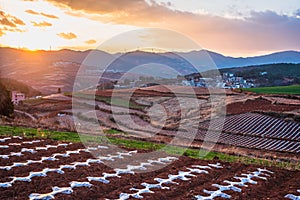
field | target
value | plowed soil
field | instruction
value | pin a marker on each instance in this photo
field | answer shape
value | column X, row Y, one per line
column 258, row 105
column 277, row 185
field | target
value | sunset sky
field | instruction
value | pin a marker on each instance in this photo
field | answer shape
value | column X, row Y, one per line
column 230, row 27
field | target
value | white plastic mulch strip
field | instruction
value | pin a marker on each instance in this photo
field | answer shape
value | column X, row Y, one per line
column 293, row 196
column 103, row 179
column 244, row 179
column 49, row 158
column 182, row 175
column 9, row 138
column 45, row 171
column 130, row 169
column 19, row 144
column 32, row 151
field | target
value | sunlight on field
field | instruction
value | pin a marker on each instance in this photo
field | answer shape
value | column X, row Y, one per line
column 293, row 89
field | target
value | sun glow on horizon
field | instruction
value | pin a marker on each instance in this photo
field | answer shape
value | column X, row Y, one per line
column 47, row 37
column 50, row 25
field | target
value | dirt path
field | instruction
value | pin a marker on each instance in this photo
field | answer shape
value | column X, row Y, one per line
column 27, row 114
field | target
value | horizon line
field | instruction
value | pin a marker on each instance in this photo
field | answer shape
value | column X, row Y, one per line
column 145, row 51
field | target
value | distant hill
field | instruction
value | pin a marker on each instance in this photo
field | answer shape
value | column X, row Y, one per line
column 269, row 75
column 186, row 63
column 12, row 85
column 282, row 69
column 200, row 58
column 222, row 61
column 9, row 55
column 46, row 71
column 156, row 64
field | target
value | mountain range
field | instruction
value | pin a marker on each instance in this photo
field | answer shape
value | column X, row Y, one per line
column 48, row 70
column 200, row 58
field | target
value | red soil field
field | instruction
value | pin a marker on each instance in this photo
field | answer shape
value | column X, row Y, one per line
column 193, row 179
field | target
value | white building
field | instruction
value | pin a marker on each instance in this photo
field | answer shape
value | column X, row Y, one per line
column 132, row 84
column 17, row 97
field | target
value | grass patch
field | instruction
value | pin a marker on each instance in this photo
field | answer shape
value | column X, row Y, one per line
column 33, row 102
column 116, row 101
column 31, row 132
column 136, row 144
column 292, row 89
column 113, row 131
column 120, row 102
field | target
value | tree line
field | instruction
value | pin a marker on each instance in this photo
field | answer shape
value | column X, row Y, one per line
column 6, row 105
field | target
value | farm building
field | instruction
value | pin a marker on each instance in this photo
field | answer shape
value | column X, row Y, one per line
column 17, row 97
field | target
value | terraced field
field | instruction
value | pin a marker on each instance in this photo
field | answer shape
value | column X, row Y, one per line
column 48, row 169
column 257, row 131
column 249, row 130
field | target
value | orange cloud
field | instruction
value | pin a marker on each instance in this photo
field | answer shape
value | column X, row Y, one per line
column 256, row 32
column 97, row 6
column 67, row 36
column 41, row 13
column 90, row 41
column 49, row 16
column 9, row 20
column 1, row 33
column 32, row 12
column 5, row 29
column 18, row 21
column 12, row 29
column 41, row 24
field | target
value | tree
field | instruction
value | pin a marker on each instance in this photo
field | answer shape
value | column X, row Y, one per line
column 6, row 105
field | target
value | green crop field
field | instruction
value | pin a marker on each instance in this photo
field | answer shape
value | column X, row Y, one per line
column 293, row 89
column 137, row 144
